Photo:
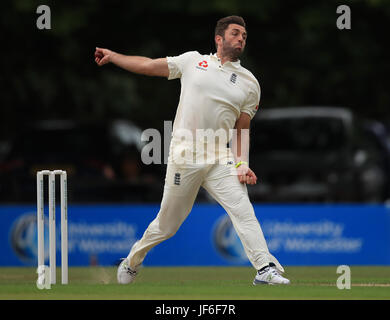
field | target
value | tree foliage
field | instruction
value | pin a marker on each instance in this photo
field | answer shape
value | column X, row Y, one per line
column 294, row 49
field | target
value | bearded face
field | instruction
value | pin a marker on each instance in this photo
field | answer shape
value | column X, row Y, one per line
column 232, row 51
column 234, row 41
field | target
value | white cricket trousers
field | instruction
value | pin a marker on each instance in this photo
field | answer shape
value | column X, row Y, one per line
column 182, row 183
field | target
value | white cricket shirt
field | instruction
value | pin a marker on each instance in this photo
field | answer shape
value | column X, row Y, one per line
column 212, row 95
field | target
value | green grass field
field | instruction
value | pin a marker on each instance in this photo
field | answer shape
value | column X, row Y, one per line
column 197, row 283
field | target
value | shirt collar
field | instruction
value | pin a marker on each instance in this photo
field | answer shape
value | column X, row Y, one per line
column 235, row 64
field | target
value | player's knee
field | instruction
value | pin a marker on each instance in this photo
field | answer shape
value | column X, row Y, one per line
column 240, row 202
column 169, row 233
column 238, row 198
column 243, row 210
column 168, row 230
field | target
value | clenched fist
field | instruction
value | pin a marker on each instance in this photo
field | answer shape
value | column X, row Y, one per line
column 246, row 175
column 102, row 56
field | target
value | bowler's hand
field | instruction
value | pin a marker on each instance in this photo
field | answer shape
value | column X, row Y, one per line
column 246, row 175
column 103, row 56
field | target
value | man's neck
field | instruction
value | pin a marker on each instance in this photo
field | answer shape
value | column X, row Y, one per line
column 224, row 58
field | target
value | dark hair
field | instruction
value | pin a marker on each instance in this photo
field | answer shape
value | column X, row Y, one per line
column 223, row 24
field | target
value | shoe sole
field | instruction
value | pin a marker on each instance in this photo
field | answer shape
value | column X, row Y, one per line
column 256, row 282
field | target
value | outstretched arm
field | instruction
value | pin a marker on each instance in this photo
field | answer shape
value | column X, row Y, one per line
column 240, row 146
column 135, row 64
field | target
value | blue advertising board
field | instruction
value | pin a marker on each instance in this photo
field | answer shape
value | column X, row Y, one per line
column 296, row 235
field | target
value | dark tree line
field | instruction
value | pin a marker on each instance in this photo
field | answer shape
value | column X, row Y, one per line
column 294, row 49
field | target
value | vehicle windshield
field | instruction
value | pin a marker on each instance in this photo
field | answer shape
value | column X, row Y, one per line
column 298, row 134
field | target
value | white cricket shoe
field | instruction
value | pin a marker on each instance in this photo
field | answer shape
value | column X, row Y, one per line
column 269, row 276
column 125, row 274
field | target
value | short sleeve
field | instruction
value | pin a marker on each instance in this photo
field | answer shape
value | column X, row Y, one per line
column 252, row 102
column 177, row 64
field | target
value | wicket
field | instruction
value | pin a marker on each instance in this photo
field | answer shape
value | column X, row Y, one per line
column 52, row 223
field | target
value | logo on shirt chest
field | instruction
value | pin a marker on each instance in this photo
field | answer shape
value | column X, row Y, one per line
column 177, row 179
column 233, row 78
column 202, row 65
